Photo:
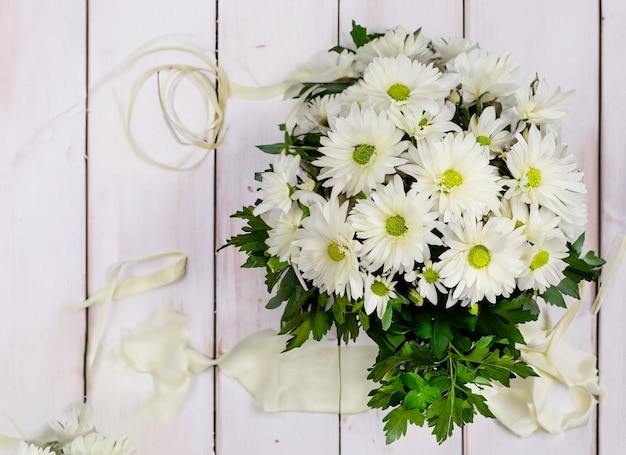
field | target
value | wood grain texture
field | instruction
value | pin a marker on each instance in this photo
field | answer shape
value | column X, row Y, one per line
column 612, row 342
column 260, row 43
column 363, row 433
column 42, row 198
column 567, row 57
column 136, row 210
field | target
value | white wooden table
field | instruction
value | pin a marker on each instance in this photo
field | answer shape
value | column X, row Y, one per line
column 75, row 200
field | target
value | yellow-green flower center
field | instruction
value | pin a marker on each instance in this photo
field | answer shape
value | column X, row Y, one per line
column 379, row 288
column 483, row 140
column 430, row 276
column 336, row 252
column 399, row 92
column 451, row 179
column 423, row 122
column 534, row 177
column 539, row 260
column 396, row 226
column 362, row 153
column 479, row 257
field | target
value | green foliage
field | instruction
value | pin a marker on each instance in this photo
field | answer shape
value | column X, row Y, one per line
column 360, row 36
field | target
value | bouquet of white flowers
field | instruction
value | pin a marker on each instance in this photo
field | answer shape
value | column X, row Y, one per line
column 422, row 197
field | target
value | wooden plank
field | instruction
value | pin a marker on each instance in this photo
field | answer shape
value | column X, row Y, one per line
column 42, row 195
column 136, row 210
column 260, row 43
column 612, row 342
column 559, row 41
column 363, row 433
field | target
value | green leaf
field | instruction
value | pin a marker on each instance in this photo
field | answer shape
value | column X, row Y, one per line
column 320, row 324
column 522, row 308
column 553, row 296
column 577, row 246
column 442, row 335
column 397, row 421
column 387, row 317
column 592, row 260
column 569, row 287
column 358, row 34
column 273, row 149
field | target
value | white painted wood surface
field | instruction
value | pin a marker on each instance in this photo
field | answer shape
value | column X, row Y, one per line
column 67, row 221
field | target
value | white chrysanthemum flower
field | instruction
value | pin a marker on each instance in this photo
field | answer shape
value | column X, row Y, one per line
column 428, row 281
column 483, row 260
column 490, row 131
column 543, row 173
column 31, row 449
column 283, row 233
column 74, row 425
column 484, row 75
column 378, row 291
column 316, row 115
column 328, row 252
column 536, row 222
column 393, row 43
column 447, row 50
column 98, row 444
column 360, row 151
column 455, row 172
column 420, row 124
column 399, row 83
column 538, row 105
column 277, row 184
column 396, row 227
column 543, row 264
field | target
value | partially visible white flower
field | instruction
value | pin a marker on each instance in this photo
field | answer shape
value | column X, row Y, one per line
column 446, row 50
column 393, row 43
column 283, row 233
column 543, row 173
column 483, row 260
column 98, row 444
column 399, row 83
column 360, row 151
column 543, row 264
column 75, row 424
column 316, row 115
column 455, row 172
column 538, row 105
column 378, row 291
column 490, row 131
column 328, row 255
column 429, row 281
column 277, row 184
column 536, row 223
column 31, row 449
column 484, row 75
column 396, row 227
column 420, row 124
column 324, row 67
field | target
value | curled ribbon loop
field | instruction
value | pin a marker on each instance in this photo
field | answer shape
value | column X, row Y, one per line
column 116, row 289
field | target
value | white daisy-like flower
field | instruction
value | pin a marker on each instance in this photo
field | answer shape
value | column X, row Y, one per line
column 378, row 291
column 455, row 172
column 31, row 449
column 393, row 43
column 538, row 105
column 543, row 173
column 399, row 83
column 316, row 115
column 277, row 184
column 283, row 233
column 536, row 222
column 490, row 131
column 428, row 281
column 420, row 124
column 395, row 226
column 483, row 260
column 98, row 444
column 328, row 252
column 360, row 151
column 543, row 264
column 73, row 425
column 447, row 50
column 484, row 75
